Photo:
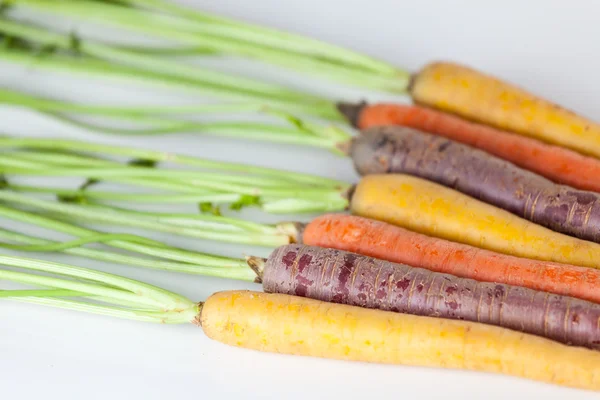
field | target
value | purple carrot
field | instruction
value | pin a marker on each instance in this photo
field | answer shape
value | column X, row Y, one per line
column 343, row 277
column 480, row 175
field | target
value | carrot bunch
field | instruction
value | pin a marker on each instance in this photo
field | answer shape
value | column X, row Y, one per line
column 479, row 263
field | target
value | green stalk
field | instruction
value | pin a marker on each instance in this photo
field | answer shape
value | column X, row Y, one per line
column 94, row 195
column 97, row 238
column 40, row 293
column 283, row 200
column 215, row 222
column 177, row 317
column 157, row 65
column 124, row 111
column 108, row 293
column 161, row 251
column 146, row 302
column 32, row 162
column 152, row 293
column 158, row 156
column 107, row 215
column 219, row 38
column 94, row 68
column 195, row 178
column 238, row 273
column 214, row 181
column 243, row 130
column 271, row 37
column 169, row 51
column 307, row 135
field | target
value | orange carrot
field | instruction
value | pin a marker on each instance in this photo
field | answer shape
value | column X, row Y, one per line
column 464, row 91
column 556, row 163
column 389, row 242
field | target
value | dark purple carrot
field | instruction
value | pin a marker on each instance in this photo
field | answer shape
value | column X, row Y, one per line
column 343, row 277
column 480, row 175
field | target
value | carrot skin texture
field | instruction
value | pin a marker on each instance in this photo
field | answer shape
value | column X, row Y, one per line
column 300, row 326
column 556, row 163
column 480, row 175
column 479, row 97
column 348, row 278
column 435, row 210
column 393, row 243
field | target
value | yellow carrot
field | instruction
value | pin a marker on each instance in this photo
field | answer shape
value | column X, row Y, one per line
column 469, row 93
column 435, row 210
column 302, row 326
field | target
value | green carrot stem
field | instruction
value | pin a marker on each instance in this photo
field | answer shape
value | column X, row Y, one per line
column 125, row 111
column 239, row 273
column 58, row 246
column 268, row 36
column 109, row 293
column 40, row 293
column 91, row 195
column 72, row 145
column 23, row 162
column 90, row 67
column 252, row 131
column 98, row 238
column 216, row 222
column 195, row 178
column 192, row 33
column 212, row 181
column 178, row 317
column 169, row 51
column 109, row 215
column 153, row 64
column 162, row 251
column 150, row 293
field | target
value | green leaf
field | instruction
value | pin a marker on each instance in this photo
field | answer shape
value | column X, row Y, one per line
column 245, row 201
column 89, row 182
column 3, row 182
column 293, row 120
column 209, row 208
column 75, row 43
column 143, row 162
column 76, row 199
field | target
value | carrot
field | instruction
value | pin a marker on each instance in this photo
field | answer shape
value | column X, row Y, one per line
column 393, row 243
column 476, row 173
column 294, row 325
column 553, row 162
column 307, row 327
column 474, row 95
column 435, row 210
column 349, row 278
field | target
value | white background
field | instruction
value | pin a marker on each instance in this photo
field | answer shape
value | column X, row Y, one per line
column 550, row 47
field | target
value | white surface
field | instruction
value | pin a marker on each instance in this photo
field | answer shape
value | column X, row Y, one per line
column 547, row 46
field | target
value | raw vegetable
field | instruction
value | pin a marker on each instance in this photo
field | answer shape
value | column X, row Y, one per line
column 480, row 175
column 521, row 302
column 435, row 210
column 300, row 326
column 464, row 91
column 342, row 277
column 343, row 232
column 448, row 86
column 393, row 243
column 477, row 224
column 556, row 163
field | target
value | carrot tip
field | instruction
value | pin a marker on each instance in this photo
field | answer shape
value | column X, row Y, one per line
column 351, row 111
